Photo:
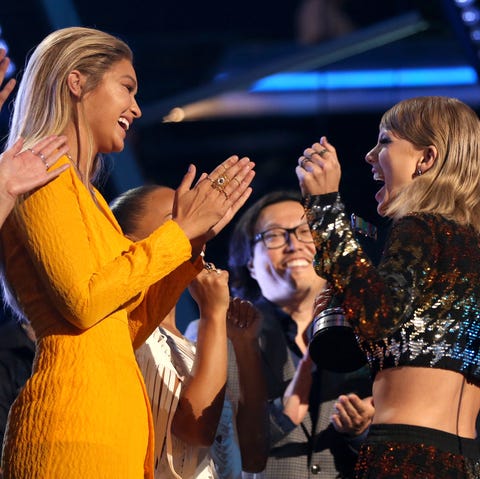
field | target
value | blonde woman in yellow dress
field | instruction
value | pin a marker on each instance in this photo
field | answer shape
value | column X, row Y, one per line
column 84, row 286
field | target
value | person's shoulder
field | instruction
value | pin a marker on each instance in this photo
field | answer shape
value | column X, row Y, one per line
column 413, row 224
column 433, row 222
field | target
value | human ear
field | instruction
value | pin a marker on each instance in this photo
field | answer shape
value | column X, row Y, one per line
column 251, row 268
column 429, row 156
column 75, row 82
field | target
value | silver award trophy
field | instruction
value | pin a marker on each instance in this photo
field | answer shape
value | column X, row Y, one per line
column 334, row 345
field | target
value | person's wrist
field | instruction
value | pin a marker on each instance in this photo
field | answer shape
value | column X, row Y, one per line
column 6, row 198
column 243, row 342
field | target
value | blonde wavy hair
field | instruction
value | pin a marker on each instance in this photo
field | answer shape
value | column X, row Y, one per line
column 451, row 187
column 43, row 104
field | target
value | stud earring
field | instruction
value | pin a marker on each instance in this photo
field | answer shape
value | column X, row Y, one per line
column 419, row 172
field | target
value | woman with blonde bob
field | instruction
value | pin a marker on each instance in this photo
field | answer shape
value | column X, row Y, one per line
column 91, row 294
column 417, row 315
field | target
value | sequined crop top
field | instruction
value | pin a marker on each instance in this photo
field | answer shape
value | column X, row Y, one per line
column 421, row 305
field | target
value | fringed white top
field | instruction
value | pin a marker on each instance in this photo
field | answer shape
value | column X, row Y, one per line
column 166, row 361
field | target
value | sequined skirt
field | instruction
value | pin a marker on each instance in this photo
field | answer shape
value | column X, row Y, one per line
column 397, row 451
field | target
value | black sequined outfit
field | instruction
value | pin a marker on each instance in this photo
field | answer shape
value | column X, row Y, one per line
column 400, row 451
column 421, row 305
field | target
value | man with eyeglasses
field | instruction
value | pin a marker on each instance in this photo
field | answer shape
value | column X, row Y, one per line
column 318, row 418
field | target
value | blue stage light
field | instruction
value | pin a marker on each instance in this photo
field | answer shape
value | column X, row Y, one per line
column 464, row 3
column 367, row 79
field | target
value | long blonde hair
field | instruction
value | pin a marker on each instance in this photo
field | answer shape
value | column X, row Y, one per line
column 451, row 187
column 44, row 104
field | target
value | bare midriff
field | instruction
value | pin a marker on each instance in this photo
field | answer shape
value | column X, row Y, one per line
column 433, row 398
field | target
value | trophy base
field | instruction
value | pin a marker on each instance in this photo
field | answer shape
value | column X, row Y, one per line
column 334, row 345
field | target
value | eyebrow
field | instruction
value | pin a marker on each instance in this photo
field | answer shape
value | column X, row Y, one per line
column 132, row 79
column 276, row 225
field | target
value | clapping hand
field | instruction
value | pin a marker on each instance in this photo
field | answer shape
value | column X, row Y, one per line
column 23, row 171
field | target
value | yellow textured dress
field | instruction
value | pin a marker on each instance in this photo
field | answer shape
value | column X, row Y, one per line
column 91, row 296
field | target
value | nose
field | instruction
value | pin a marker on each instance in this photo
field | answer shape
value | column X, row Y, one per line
column 135, row 109
column 292, row 241
column 371, row 156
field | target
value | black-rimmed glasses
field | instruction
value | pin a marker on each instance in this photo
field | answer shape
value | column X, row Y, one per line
column 278, row 237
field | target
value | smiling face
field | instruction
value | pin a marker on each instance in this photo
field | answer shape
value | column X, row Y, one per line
column 110, row 108
column 284, row 272
column 394, row 162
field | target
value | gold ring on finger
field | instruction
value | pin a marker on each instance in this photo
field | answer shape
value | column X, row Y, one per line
column 237, row 180
column 305, row 160
column 220, row 183
column 322, row 152
column 209, row 267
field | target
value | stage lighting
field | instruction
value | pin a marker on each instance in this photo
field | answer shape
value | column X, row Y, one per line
column 464, row 17
column 464, row 3
column 470, row 16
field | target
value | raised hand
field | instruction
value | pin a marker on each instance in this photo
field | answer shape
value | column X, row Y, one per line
column 318, row 169
column 243, row 320
column 201, row 400
column 23, row 171
column 204, row 209
column 210, row 291
column 243, row 324
column 10, row 85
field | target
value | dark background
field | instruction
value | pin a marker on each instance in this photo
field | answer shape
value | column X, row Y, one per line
column 187, row 51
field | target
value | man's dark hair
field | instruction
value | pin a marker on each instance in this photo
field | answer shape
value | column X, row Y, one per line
column 241, row 244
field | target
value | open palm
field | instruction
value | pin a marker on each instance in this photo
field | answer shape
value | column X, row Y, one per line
column 21, row 172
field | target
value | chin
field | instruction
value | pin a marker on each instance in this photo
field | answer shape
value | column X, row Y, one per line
column 115, row 148
column 381, row 209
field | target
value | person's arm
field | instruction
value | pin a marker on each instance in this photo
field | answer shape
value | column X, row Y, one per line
column 243, row 323
column 375, row 299
column 87, row 285
column 201, row 401
column 159, row 299
column 297, row 394
column 23, row 171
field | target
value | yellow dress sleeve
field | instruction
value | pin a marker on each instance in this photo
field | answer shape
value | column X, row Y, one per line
column 159, row 300
column 89, row 268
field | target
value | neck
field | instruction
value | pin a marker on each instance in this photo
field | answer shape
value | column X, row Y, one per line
column 299, row 306
column 301, row 313
column 79, row 152
column 169, row 323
